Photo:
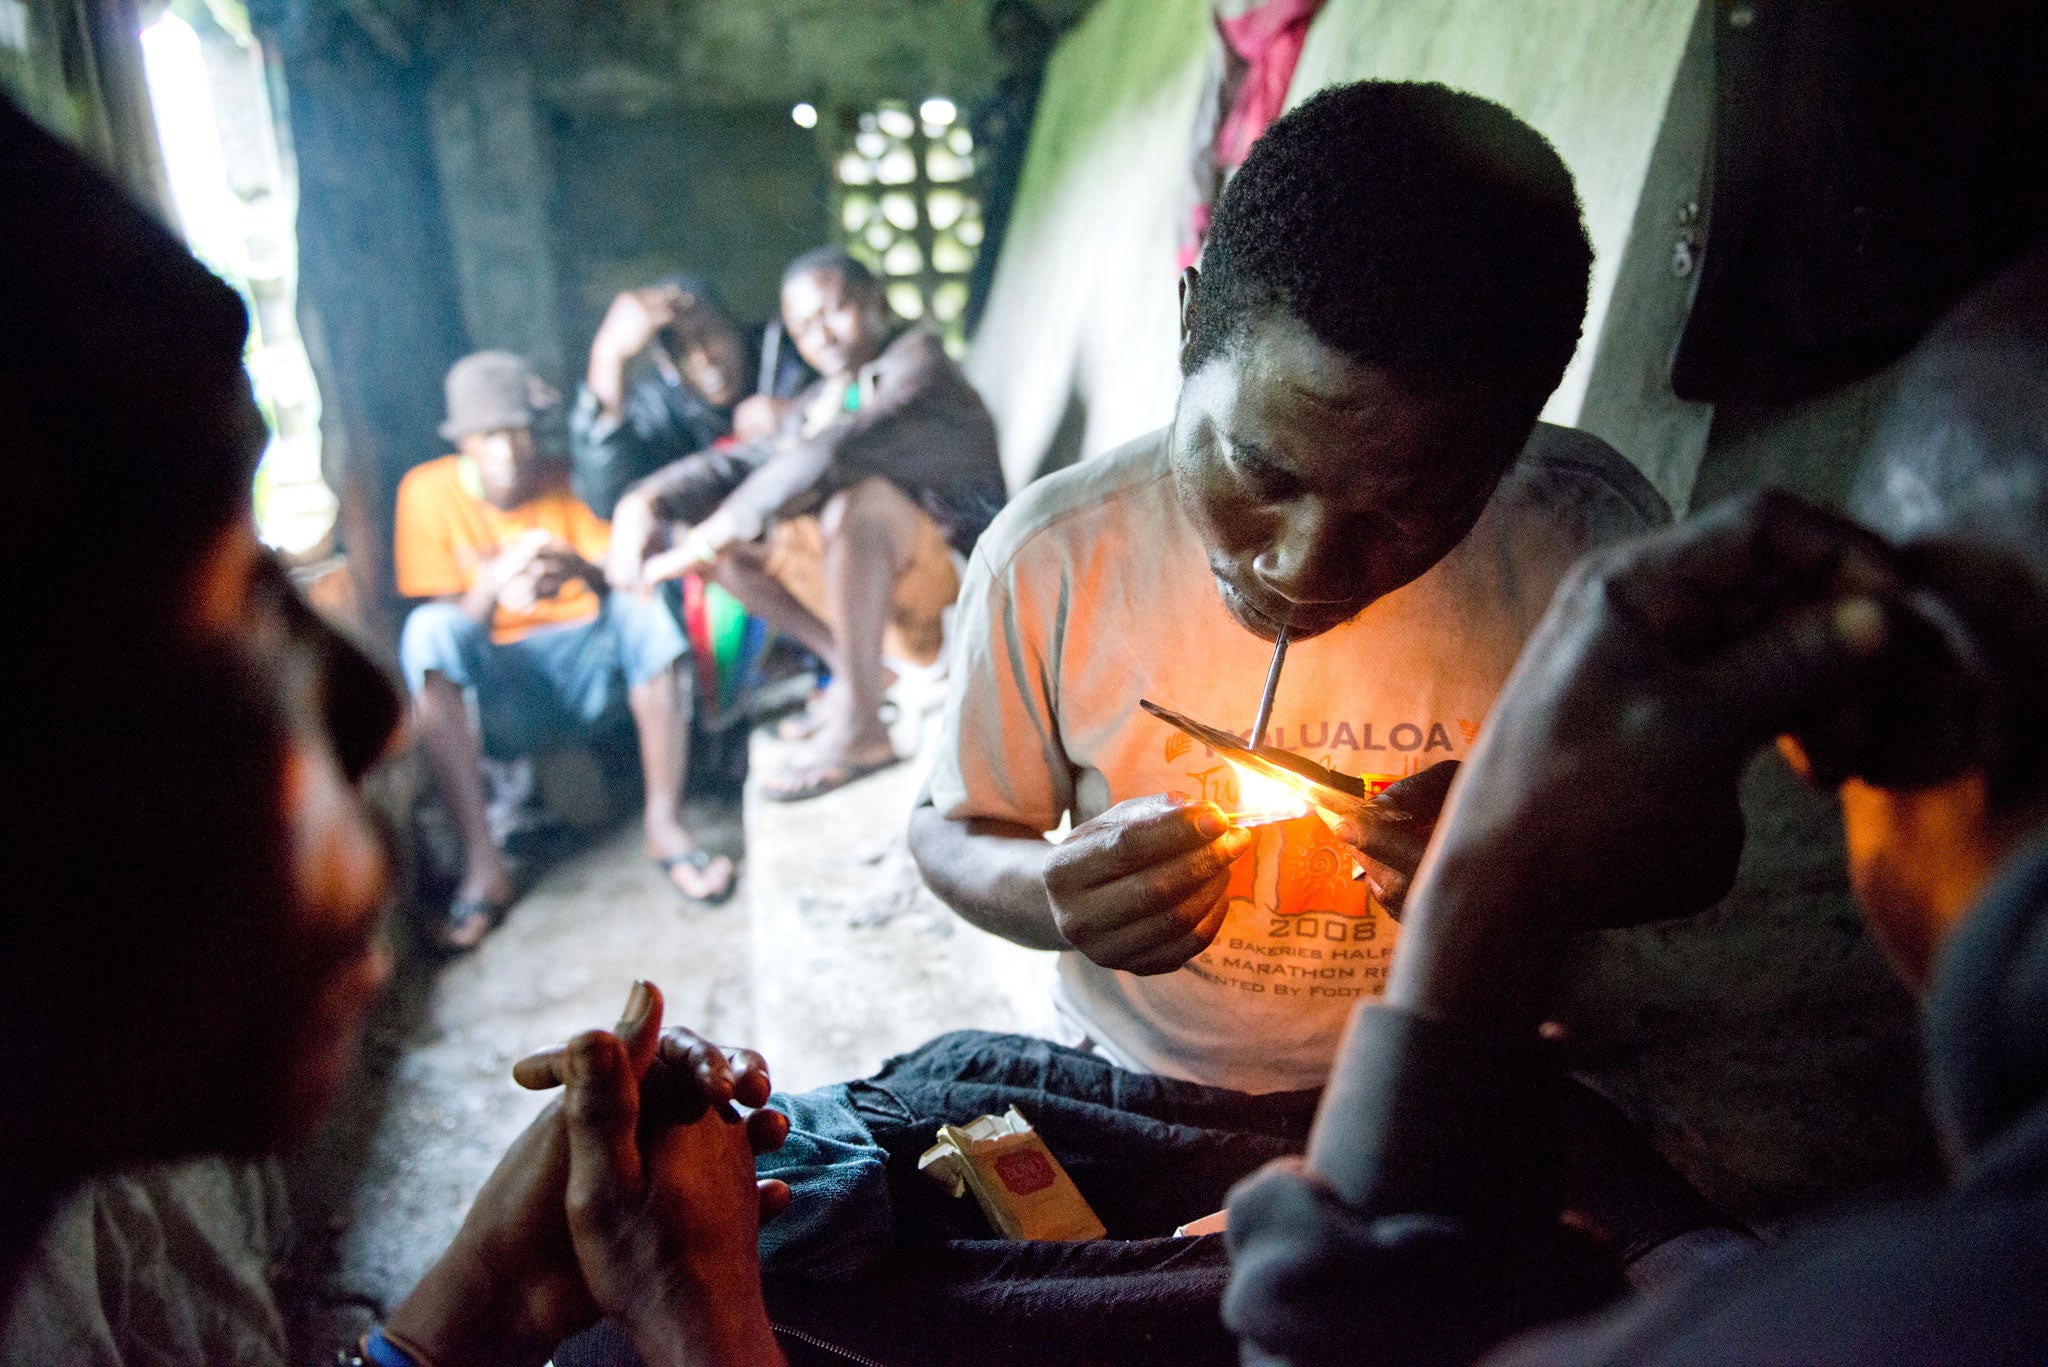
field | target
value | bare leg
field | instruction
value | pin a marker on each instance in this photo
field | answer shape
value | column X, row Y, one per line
column 457, row 761
column 664, row 758
column 740, row 572
column 870, row 535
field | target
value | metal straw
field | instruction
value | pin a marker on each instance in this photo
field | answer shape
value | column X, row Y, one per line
column 1272, row 685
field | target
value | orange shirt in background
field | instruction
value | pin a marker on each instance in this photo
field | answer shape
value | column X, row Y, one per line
column 445, row 532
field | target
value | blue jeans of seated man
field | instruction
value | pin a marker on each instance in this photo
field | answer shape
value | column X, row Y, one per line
column 553, row 685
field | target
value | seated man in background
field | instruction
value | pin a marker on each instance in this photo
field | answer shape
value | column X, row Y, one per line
column 521, row 618
column 707, row 379
column 1913, row 675
column 840, row 528
column 191, row 944
column 1392, row 288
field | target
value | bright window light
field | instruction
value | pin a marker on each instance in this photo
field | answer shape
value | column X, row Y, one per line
column 938, row 110
column 247, row 240
column 805, row 115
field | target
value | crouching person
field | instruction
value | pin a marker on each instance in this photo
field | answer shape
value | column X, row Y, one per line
column 520, row 618
column 845, row 527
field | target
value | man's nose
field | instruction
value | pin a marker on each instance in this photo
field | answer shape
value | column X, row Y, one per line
column 1306, row 562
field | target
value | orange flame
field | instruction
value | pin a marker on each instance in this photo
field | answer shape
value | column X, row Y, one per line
column 1261, row 799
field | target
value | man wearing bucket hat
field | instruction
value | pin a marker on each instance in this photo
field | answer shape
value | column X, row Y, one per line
column 518, row 615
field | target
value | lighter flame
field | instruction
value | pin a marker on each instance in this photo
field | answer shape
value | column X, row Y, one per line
column 1261, row 799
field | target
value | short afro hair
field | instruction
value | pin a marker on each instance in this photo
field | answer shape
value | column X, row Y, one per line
column 834, row 261
column 1415, row 228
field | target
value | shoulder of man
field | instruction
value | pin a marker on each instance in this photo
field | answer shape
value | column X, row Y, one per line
column 1074, row 505
column 1564, row 468
column 431, row 479
column 916, row 345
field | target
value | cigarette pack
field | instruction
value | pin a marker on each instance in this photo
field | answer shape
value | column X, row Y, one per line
column 1020, row 1186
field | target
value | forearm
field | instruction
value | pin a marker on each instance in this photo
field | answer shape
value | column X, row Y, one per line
column 1478, row 944
column 457, row 1319
column 776, row 482
column 606, row 377
column 719, row 1319
column 992, row 873
column 691, row 489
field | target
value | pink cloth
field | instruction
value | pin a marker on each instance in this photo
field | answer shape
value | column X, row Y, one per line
column 1265, row 42
column 1269, row 39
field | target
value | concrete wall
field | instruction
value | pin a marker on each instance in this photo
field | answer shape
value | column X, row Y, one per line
column 1084, row 302
column 588, row 148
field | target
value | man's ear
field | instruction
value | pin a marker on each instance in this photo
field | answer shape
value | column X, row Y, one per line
column 1190, row 281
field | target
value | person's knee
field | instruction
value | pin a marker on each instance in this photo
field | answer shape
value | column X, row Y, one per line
column 873, row 512
column 438, row 638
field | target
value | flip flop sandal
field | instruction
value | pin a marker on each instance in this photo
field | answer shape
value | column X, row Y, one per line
column 701, row 862
column 462, row 912
column 809, row 722
column 819, row 782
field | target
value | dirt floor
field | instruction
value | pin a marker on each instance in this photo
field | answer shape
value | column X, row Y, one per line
column 830, row 957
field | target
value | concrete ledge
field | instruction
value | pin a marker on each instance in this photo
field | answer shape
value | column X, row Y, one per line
column 853, row 959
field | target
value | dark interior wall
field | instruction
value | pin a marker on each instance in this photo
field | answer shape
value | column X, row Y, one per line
column 728, row 193
column 486, row 173
column 585, row 149
column 377, row 292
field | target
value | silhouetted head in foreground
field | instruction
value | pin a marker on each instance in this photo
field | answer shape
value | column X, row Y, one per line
column 193, row 886
column 1957, row 473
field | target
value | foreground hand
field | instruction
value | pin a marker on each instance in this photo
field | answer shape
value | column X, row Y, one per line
column 664, row 1219
column 509, row 1287
column 1141, row 886
column 1603, row 791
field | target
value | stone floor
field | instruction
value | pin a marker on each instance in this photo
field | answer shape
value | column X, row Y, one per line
column 830, row 957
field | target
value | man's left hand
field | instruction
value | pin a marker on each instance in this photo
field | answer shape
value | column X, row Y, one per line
column 1389, row 852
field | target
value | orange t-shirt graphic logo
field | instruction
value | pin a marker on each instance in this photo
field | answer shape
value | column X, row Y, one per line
column 1298, row 867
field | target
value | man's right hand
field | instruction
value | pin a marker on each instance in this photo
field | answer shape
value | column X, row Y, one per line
column 635, row 319
column 1141, row 887
column 509, row 578
column 1603, row 791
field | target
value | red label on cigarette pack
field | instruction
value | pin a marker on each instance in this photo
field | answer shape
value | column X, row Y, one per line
column 1024, row 1171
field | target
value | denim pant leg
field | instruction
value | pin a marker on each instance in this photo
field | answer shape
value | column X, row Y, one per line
column 585, row 669
column 439, row 638
column 549, row 687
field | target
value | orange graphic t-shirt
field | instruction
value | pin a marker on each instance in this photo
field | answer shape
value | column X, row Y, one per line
column 446, row 530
